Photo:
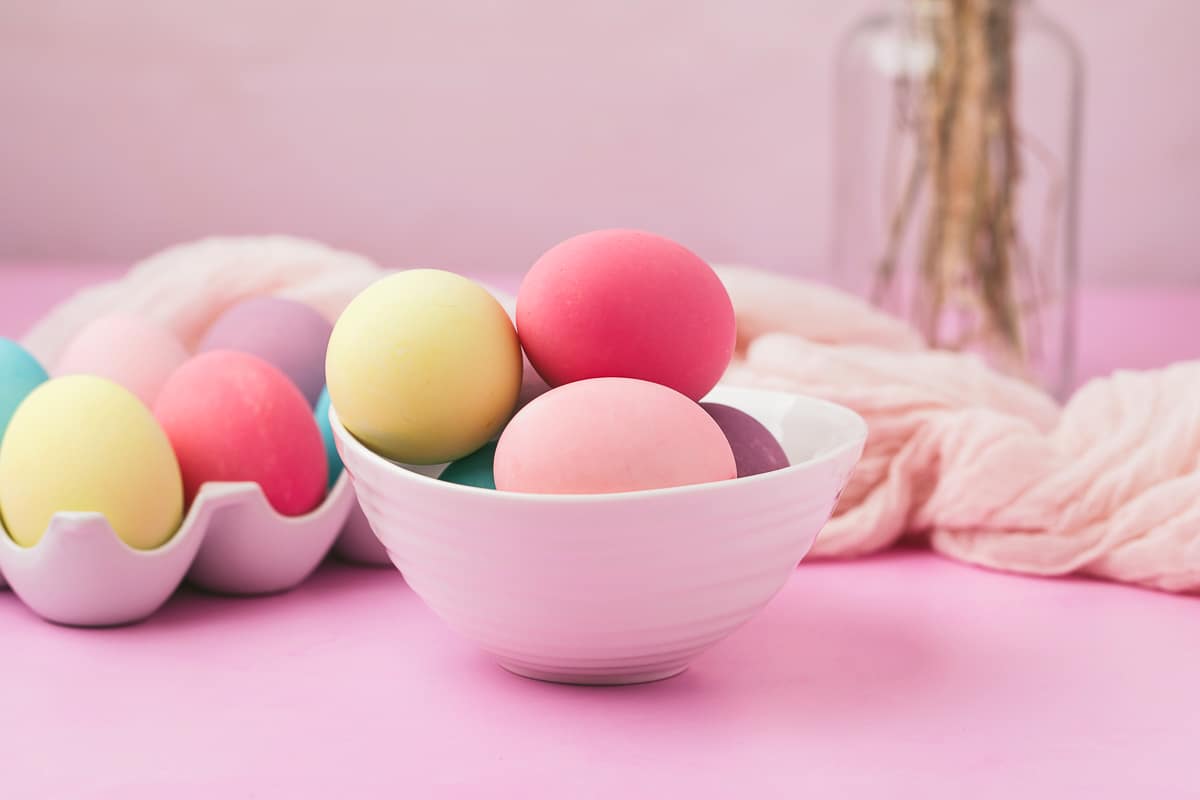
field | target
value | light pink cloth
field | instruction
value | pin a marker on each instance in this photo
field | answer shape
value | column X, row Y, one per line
column 987, row 469
column 187, row 286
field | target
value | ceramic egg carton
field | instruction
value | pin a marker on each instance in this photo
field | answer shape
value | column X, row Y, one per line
column 231, row 541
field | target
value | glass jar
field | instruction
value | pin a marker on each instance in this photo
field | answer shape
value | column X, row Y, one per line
column 956, row 171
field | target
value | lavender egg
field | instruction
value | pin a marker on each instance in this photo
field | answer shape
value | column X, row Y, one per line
column 286, row 334
column 755, row 450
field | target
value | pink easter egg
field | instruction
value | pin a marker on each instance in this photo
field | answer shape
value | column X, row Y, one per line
column 624, row 303
column 610, row 435
column 233, row 417
column 132, row 351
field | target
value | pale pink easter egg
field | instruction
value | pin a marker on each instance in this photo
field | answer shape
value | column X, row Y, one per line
column 231, row 416
column 135, row 352
column 630, row 304
column 611, row 435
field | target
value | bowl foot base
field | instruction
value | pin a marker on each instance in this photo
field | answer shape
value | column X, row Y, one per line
column 582, row 678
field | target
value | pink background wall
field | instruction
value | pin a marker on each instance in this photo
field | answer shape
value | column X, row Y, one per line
column 472, row 135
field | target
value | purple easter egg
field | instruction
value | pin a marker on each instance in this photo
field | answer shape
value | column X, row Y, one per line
column 289, row 335
column 755, row 450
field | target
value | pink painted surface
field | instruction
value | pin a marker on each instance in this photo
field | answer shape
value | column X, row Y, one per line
column 902, row 675
column 475, row 136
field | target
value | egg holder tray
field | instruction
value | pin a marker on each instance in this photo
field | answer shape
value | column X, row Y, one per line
column 231, row 541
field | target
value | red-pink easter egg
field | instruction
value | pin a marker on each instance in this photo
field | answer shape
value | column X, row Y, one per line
column 610, row 435
column 231, row 416
column 627, row 304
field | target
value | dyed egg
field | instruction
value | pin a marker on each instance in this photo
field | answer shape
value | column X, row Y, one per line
column 233, row 417
column 135, row 352
column 611, row 435
column 474, row 470
column 333, row 461
column 424, row 367
column 755, row 450
column 285, row 333
column 83, row 443
column 20, row 374
column 621, row 303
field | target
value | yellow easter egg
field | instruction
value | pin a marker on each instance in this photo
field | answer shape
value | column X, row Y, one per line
column 83, row 443
column 424, row 366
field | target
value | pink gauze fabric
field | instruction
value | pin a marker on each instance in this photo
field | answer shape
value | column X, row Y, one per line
column 985, row 468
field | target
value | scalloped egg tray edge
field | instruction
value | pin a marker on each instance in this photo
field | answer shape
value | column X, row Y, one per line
column 231, row 541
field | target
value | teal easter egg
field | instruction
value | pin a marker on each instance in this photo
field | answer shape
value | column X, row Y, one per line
column 331, row 454
column 20, row 374
column 473, row 470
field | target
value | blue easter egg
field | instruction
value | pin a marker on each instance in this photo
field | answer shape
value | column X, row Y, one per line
column 20, row 374
column 473, row 470
column 331, row 454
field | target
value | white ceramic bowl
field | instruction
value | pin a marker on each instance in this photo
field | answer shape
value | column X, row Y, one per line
column 614, row 588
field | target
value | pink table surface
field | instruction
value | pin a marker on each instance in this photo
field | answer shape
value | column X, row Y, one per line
column 902, row 675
